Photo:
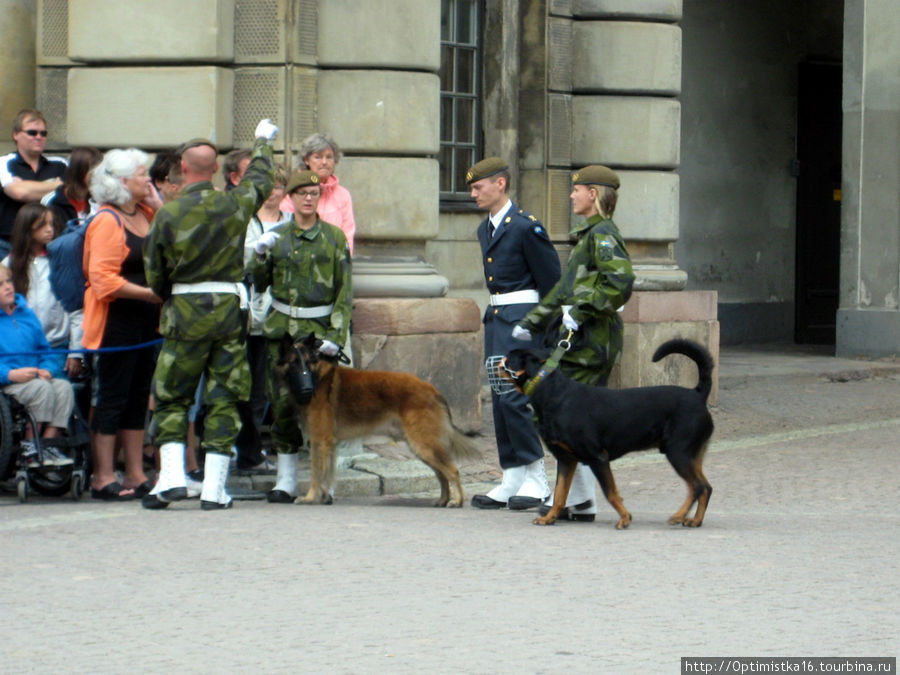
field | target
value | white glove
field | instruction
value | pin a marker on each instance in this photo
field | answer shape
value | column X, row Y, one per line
column 265, row 242
column 266, row 129
column 328, row 348
column 520, row 333
column 568, row 321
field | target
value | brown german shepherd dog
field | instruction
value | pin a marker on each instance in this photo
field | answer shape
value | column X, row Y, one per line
column 347, row 403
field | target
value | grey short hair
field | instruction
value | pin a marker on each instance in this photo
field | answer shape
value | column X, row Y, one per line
column 317, row 143
column 106, row 185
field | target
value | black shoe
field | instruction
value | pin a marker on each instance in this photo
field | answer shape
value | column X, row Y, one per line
column 212, row 506
column 569, row 514
column 162, row 499
column 517, row 503
column 153, row 502
column 485, row 502
column 196, row 474
column 279, row 497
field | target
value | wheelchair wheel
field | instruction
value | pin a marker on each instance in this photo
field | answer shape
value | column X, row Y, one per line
column 7, row 437
column 51, row 482
column 22, row 489
column 76, row 488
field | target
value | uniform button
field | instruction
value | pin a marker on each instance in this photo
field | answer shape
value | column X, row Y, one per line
column 490, row 278
column 496, row 311
column 490, row 260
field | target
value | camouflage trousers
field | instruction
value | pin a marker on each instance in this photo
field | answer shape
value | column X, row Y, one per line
column 595, row 350
column 178, row 371
column 286, row 435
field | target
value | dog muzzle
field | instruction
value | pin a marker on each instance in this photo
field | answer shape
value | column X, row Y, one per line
column 301, row 381
column 499, row 384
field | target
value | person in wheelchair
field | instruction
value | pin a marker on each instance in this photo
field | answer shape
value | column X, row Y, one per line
column 26, row 373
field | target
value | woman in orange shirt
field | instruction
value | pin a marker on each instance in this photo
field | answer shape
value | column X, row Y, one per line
column 120, row 310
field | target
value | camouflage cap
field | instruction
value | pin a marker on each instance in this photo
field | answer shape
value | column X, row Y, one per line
column 595, row 174
column 485, row 168
column 194, row 143
column 301, row 179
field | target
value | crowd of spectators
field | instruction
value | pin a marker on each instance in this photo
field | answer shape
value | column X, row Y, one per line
column 117, row 193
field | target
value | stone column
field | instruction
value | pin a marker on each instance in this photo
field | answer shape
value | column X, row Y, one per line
column 613, row 73
column 868, row 318
column 16, row 63
column 618, row 90
column 379, row 97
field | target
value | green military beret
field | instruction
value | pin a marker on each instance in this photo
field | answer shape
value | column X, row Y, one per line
column 301, row 179
column 197, row 142
column 595, row 174
column 486, row 167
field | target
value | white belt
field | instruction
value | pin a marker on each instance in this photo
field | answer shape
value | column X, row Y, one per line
column 516, row 297
column 316, row 312
column 214, row 287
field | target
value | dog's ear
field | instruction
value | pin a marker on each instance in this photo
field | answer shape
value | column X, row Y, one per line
column 515, row 359
column 532, row 360
column 285, row 348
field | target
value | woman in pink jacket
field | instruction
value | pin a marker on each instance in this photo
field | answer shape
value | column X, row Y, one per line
column 321, row 154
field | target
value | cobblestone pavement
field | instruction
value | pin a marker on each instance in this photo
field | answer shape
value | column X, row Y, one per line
column 798, row 556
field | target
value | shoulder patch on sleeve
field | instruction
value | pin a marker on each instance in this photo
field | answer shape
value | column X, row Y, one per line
column 605, row 252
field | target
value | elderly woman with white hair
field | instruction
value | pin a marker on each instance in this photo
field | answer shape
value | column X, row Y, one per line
column 321, row 154
column 120, row 310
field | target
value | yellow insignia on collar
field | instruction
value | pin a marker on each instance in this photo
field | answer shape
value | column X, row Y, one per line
column 533, row 218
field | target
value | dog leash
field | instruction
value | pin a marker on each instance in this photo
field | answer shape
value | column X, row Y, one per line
column 550, row 364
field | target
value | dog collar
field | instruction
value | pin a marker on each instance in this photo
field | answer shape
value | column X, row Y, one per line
column 550, row 365
column 531, row 385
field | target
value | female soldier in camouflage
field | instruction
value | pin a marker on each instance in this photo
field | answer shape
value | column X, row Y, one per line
column 595, row 284
column 306, row 262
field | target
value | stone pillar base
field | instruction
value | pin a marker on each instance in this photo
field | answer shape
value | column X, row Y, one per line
column 870, row 332
column 437, row 339
column 651, row 318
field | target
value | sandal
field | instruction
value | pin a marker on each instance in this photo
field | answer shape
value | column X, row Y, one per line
column 142, row 489
column 112, row 493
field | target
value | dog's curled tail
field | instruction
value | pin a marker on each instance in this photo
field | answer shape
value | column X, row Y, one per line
column 697, row 353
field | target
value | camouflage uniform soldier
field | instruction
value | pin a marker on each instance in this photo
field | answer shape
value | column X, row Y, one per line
column 194, row 259
column 595, row 284
column 307, row 264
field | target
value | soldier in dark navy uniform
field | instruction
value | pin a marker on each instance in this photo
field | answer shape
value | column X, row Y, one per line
column 520, row 267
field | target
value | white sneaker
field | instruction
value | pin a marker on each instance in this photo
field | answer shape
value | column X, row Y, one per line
column 53, row 456
column 29, row 456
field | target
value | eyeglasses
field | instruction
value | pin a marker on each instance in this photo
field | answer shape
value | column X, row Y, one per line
column 304, row 194
column 36, row 132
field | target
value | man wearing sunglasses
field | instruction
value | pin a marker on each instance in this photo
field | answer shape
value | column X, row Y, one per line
column 26, row 175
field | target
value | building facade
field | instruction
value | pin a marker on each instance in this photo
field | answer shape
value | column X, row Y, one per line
column 757, row 142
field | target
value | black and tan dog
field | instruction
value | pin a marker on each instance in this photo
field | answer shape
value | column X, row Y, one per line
column 349, row 403
column 595, row 425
